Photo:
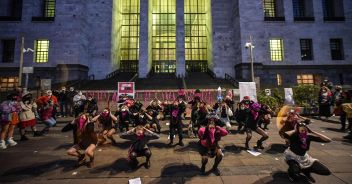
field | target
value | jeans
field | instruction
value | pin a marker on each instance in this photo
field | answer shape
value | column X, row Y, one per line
column 63, row 108
column 50, row 122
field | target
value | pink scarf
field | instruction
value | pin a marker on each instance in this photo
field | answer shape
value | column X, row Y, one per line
column 82, row 122
column 212, row 135
column 303, row 137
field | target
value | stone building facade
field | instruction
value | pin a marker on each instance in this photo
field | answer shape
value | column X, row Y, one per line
column 295, row 41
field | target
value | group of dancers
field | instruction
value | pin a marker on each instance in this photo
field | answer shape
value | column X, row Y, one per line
column 139, row 124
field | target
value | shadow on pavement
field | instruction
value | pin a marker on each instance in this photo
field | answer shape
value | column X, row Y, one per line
column 333, row 129
column 35, row 170
column 280, row 177
column 191, row 146
column 177, row 173
column 234, row 149
column 155, row 144
column 63, row 146
column 276, row 149
column 120, row 165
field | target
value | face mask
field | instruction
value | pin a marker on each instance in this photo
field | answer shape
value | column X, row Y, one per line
column 123, row 110
column 82, row 122
column 105, row 114
column 140, row 136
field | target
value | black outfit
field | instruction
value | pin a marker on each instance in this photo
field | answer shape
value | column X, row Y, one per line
column 155, row 111
column 124, row 119
column 297, row 148
column 91, row 106
column 265, row 110
column 194, row 116
column 63, row 102
column 78, row 107
column 176, row 121
column 70, row 104
column 139, row 147
column 106, row 122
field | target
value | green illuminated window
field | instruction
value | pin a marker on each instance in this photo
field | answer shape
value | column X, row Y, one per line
column 270, row 8
column 41, row 51
column 49, row 8
column 129, row 19
column 195, row 30
column 276, row 50
column 164, row 36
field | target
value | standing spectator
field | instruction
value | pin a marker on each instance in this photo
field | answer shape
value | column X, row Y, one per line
column 9, row 110
column 78, row 103
column 46, row 110
column 325, row 97
column 62, row 97
column 70, row 104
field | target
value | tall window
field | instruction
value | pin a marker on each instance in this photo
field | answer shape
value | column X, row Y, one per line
column 49, row 8
column 164, row 36
column 305, row 79
column 273, row 10
column 303, row 10
column 129, row 47
column 333, row 10
column 306, row 49
column 196, row 40
column 8, row 83
column 276, row 50
column 10, row 10
column 8, row 51
column 41, row 48
column 336, row 48
column 279, row 79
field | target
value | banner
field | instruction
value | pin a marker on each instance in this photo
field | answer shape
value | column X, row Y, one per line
column 125, row 88
column 289, row 96
column 248, row 89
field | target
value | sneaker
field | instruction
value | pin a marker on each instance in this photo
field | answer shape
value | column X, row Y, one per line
column 3, row 145
column 11, row 142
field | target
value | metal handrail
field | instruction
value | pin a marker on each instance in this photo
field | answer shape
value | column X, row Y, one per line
column 211, row 73
column 112, row 74
column 233, row 81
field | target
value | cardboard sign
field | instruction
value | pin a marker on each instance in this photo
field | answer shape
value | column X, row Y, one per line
column 126, row 88
column 248, row 89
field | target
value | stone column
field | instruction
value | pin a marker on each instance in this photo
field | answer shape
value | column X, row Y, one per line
column 143, row 65
column 180, row 39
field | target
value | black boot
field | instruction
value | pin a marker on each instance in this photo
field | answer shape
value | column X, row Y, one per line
column 24, row 138
column 37, row 134
column 181, row 143
column 202, row 169
column 259, row 145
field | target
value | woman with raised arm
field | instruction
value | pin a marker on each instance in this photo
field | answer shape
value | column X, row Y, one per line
column 209, row 144
column 140, row 137
column 107, row 122
column 296, row 154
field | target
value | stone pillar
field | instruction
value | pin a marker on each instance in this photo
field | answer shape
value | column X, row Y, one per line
column 180, row 39
column 143, row 65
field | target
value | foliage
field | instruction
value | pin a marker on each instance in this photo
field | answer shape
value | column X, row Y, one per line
column 305, row 95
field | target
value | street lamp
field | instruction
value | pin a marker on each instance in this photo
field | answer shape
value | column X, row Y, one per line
column 249, row 45
column 23, row 50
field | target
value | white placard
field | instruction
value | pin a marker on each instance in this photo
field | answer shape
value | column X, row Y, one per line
column 289, row 96
column 248, row 89
column 27, row 70
column 135, row 181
